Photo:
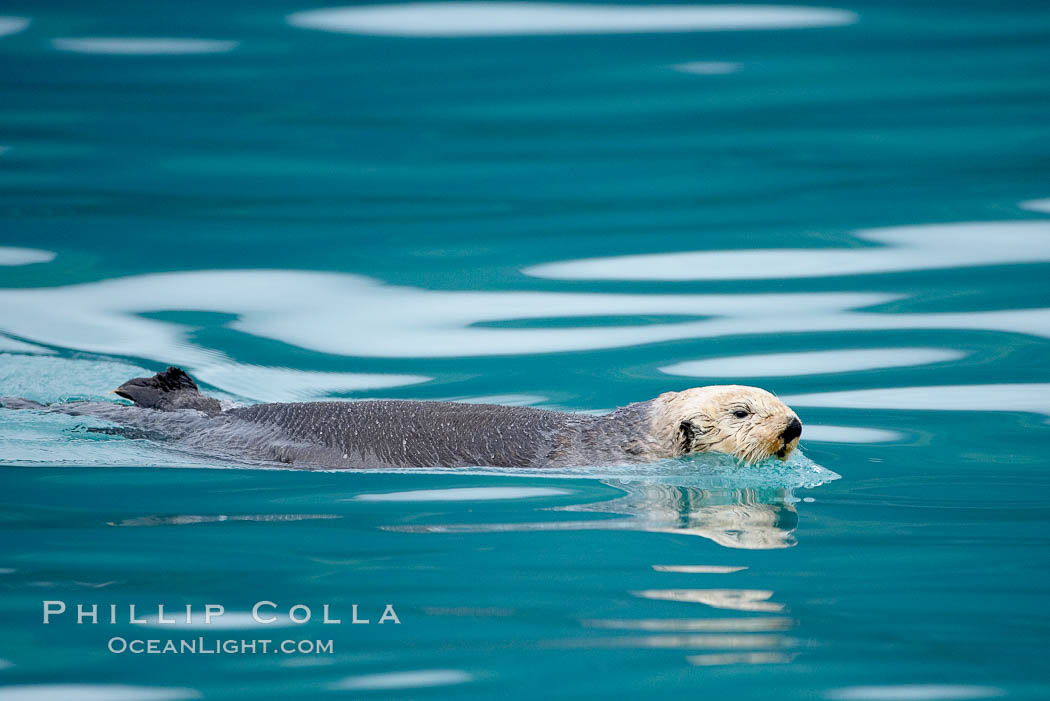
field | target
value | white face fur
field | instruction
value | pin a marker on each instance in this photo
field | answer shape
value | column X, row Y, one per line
column 746, row 422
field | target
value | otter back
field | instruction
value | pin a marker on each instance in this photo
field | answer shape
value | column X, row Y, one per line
column 413, row 433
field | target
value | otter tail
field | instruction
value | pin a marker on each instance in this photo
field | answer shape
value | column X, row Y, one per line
column 170, row 390
column 19, row 403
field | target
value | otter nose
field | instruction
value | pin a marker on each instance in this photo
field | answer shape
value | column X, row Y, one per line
column 793, row 431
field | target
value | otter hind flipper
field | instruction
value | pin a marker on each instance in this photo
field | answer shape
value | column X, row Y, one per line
column 170, row 390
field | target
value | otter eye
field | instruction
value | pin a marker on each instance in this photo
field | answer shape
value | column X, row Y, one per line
column 740, row 414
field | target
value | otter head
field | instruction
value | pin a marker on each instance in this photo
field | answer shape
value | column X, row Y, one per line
column 746, row 422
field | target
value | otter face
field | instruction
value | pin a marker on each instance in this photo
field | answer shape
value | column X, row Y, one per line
column 746, row 422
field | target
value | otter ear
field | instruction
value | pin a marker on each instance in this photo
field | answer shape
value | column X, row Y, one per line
column 684, row 437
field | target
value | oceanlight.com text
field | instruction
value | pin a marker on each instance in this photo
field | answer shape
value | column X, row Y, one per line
column 218, row 646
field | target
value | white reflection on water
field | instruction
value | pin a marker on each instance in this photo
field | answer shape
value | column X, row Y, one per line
column 693, row 642
column 193, row 519
column 504, row 399
column 728, row 658
column 684, row 625
column 93, row 692
column 902, row 248
column 57, row 379
column 1037, row 205
column 230, row 620
column 464, row 494
column 12, row 345
column 708, row 67
column 24, row 256
column 915, row 692
column 275, row 384
column 1034, row 398
column 734, row 599
column 354, row 315
column 457, row 19
column 414, row 679
column 142, row 46
column 12, row 25
column 697, row 569
column 849, row 434
column 811, row 362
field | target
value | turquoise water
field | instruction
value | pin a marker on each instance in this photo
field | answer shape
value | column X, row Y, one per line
column 561, row 208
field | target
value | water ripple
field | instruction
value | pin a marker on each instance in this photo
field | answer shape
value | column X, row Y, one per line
column 902, row 248
column 142, row 46
column 915, row 692
column 24, row 256
column 708, row 67
column 1037, row 205
column 1033, row 398
column 734, row 599
column 729, row 658
column 12, row 25
column 354, row 315
column 415, row 679
column 464, row 494
column 462, row 19
column 93, row 692
column 686, row 625
column 811, row 362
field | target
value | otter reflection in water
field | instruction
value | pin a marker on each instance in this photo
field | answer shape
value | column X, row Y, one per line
column 747, row 518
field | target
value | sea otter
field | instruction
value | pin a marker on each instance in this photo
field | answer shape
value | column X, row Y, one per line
column 746, row 422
